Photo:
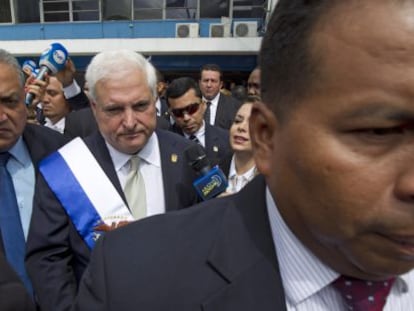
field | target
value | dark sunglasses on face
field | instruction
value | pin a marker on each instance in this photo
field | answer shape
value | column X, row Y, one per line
column 190, row 110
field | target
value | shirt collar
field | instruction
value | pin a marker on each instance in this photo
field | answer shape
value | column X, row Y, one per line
column 158, row 106
column 59, row 125
column 199, row 134
column 303, row 274
column 214, row 101
column 20, row 153
column 149, row 153
column 247, row 175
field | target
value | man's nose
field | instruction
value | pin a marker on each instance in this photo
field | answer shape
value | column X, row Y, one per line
column 404, row 185
column 129, row 118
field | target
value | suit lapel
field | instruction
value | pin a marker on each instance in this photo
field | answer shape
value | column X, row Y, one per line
column 170, row 169
column 220, row 112
column 244, row 255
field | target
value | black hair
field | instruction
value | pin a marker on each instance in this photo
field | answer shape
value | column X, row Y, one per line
column 288, row 68
column 212, row 67
column 178, row 87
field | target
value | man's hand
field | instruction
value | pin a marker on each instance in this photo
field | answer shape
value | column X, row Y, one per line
column 103, row 227
column 66, row 75
column 37, row 88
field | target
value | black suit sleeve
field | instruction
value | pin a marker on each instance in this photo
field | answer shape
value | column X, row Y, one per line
column 92, row 289
column 13, row 295
column 78, row 101
column 56, row 255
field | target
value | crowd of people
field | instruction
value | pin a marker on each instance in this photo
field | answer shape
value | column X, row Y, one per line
column 125, row 114
column 98, row 208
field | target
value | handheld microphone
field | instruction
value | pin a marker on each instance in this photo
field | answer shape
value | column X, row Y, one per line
column 212, row 181
column 51, row 61
column 29, row 67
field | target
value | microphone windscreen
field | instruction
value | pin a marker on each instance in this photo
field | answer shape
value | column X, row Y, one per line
column 197, row 158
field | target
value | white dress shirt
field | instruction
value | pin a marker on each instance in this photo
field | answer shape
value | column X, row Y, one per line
column 59, row 126
column 237, row 182
column 150, row 168
column 213, row 107
column 200, row 134
column 306, row 280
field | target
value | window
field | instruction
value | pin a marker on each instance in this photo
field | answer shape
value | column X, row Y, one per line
column 85, row 10
column 116, row 10
column 214, row 8
column 249, row 8
column 181, row 9
column 70, row 10
column 148, row 9
column 5, row 11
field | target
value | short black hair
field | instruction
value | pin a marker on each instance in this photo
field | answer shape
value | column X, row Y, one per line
column 212, row 67
column 178, row 87
column 287, row 67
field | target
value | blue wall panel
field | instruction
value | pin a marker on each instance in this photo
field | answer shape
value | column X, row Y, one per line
column 93, row 30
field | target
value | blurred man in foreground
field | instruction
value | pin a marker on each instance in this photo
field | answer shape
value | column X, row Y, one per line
column 331, row 224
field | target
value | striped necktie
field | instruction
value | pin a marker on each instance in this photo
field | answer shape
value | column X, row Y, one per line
column 207, row 113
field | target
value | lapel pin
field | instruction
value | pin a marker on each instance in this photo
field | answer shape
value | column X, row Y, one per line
column 174, row 158
column 215, row 148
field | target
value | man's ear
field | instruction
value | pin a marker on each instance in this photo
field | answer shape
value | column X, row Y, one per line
column 93, row 107
column 263, row 125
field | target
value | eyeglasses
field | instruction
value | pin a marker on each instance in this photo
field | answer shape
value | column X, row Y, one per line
column 190, row 110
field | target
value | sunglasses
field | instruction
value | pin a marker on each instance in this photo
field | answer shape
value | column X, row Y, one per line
column 190, row 110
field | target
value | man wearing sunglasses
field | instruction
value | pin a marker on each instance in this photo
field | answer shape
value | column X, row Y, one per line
column 187, row 109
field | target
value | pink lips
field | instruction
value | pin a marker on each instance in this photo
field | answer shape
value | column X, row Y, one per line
column 239, row 139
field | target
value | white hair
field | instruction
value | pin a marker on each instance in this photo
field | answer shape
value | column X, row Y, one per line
column 104, row 64
column 8, row 59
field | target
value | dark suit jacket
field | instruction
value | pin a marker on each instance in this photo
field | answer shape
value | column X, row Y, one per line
column 226, row 111
column 78, row 101
column 81, row 123
column 218, row 256
column 164, row 113
column 217, row 144
column 57, row 255
column 13, row 294
column 41, row 141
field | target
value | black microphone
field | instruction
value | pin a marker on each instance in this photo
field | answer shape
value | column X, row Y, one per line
column 51, row 61
column 212, row 181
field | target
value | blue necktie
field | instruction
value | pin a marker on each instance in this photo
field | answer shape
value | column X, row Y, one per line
column 10, row 223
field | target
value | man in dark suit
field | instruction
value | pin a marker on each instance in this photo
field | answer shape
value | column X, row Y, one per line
column 333, row 139
column 161, row 102
column 23, row 145
column 187, row 109
column 59, row 245
column 221, row 108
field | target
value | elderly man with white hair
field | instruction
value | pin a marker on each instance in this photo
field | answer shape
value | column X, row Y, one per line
column 125, row 171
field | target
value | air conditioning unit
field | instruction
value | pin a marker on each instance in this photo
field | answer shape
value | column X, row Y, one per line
column 186, row 30
column 219, row 30
column 245, row 29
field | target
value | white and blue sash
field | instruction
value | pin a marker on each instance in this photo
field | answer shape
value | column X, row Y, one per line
column 83, row 189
